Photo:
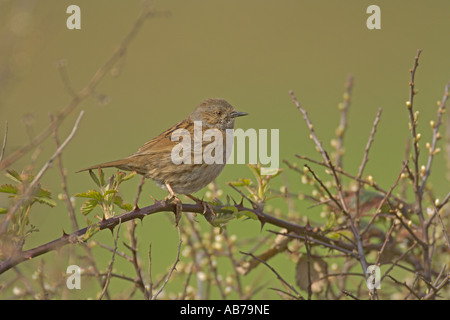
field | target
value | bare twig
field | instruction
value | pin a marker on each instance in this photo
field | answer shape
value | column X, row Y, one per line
column 436, row 135
column 349, row 294
column 406, row 286
column 382, row 202
column 29, row 191
column 69, row 205
column 275, row 272
column 84, row 93
column 134, row 261
column 5, row 139
column 340, row 132
column 108, row 276
column 136, row 200
column 171, row 269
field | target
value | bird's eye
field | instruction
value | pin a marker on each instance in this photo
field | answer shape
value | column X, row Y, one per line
column 218, row 113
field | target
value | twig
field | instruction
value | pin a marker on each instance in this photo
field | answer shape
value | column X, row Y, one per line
column 66, row 196
column 29, row 191
column 84, row 93
column 5, row 139
column 308, row 261
column 333, row 244
column 436, row 135
column 366, row 182
column 324, row 187
column 353, row 226
column 434, row 292
column 275, row 272
column 171, row 269
column 108, row 276
column 366, row 158
column 344, row 121
column 150, row 278
column 397, row 261
column 386, row 240
column 136, row 200
column 186, row 284
column 382, row 202
column 234, row 263
column 137, row 268
column 444, row 230
column 406, row 286
column 349, row 294
column 207, row 254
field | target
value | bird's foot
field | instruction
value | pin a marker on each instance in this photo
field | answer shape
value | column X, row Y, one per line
column 173, row 198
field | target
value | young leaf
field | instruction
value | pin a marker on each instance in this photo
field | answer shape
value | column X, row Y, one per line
column 247, row 214
column 94, row 178
column 93, row 194
column 128, row 176
column 118, row 201
column 3, row 210
column 8, row 188
column 43, row 193
column 46, row 201
column 88, row 206
column 13, row 175
column 91, row 230
column 330, row 222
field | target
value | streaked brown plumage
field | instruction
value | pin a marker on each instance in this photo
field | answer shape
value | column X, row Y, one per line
column 153, row 160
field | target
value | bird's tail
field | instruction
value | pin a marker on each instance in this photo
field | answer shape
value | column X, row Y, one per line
column 117, row 164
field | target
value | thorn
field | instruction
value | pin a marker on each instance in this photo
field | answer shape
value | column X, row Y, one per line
column 262, row 224
column 64, row 235
column 308, row 226
column 154, row 200
column 240, row 206
column 111, row 228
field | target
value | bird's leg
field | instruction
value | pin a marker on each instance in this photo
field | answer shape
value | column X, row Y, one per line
column 178, row 204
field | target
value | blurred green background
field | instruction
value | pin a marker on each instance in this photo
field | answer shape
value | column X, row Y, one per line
column 249, row 52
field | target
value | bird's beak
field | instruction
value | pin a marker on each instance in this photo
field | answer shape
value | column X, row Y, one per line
column 236, row 114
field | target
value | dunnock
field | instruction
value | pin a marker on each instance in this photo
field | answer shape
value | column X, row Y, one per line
column 154, row 159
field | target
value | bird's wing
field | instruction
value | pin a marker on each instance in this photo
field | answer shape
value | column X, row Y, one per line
column 163, row 142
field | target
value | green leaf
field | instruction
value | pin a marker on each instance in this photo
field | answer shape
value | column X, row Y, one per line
column 88, row 206
column 337, row 235
column 3, row 210
column 241, row 182
column 43, row 193
column 91, row 230
column 13, row 175
column 8, row 188
column 255, row 170
column 108, row 192
column 94, row 178
column 246, row 213
column 101, row 175
column 128, row 176
column 330, row 222
column 93, row 194
column 219, row 219
column 230, row 208
column 121, row 204
column 46, row 201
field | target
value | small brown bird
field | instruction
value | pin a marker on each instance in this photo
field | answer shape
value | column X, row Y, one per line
column 155, row 160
